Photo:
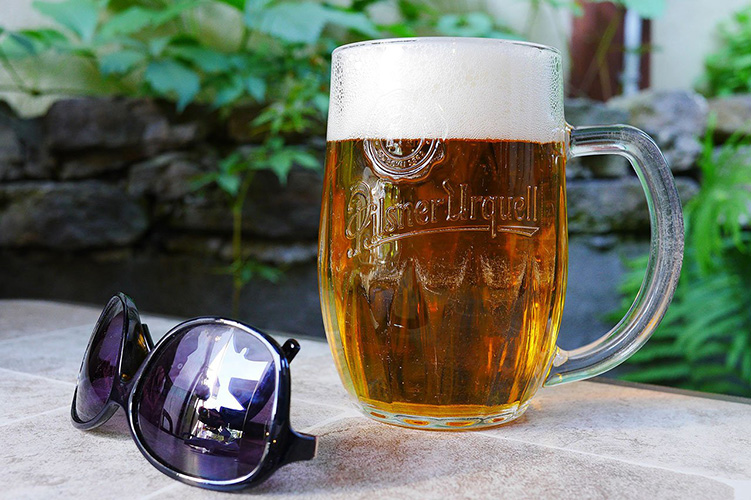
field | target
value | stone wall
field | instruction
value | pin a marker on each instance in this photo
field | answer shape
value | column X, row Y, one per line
column 97, row 196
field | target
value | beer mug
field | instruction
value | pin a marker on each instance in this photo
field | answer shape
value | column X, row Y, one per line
column 443, row 237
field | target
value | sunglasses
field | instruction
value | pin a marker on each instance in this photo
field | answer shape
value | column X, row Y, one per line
column 208, row 405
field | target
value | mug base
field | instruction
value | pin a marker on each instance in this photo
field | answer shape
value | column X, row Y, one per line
column 459, row 423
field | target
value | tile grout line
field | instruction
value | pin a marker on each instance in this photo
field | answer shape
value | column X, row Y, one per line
column 29, row 417
column 35, row 376
column 617, row 459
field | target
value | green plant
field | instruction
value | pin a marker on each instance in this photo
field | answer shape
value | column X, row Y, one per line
column 728, row 71
column 278, row 64
column 704, row 341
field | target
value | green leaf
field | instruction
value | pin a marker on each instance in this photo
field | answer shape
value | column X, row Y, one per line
column 238, row 4
column 79, row 16
column 18, row 45
column 157, row 45
column 46, row 37
column 135, row 19
column 168, row 76
column 400, row 30
column 474, row 24
column 202, row 180
column 356, row 21
column 208, row 60
column 254, row 11
column 256, row 87
column 281, row 163
column 307, row 160
column 120, row 62
column 229, row 91
column 300, row 22
column 303, row 22
column 659, row 374
column 321, row 102
column 229, row 183
column 269, row 273
column 652, row 351
column 129, row 21
column 710, row 371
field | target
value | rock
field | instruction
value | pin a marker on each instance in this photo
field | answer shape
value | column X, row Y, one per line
column 675, row 119
column 22, row 152
column 194, row 244
column 582, row 112
column 239, row 125
column 166, row 177
column 733, row 115
column 275, row 253
column 86, row 164
column 740, row 157
column 290, row 211
column 604, row 206
column 68, row 216
column 11, row 154
column 120, row 123
column 271, row 210
column 240, row 128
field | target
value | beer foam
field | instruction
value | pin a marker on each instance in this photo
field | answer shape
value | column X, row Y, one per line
column 446, row 88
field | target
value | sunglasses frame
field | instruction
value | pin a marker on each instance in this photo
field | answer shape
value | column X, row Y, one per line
column 121, row 386
column 283, row 444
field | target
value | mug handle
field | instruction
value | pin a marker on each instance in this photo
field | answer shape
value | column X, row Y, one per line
column 665, row 255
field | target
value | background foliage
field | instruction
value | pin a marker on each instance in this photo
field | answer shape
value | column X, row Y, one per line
column 704, row 341
column 279, row 65
column 728, row 71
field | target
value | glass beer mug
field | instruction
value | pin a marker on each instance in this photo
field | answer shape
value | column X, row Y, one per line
column 443, row 238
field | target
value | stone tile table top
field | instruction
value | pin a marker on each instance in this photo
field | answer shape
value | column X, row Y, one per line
column 580, row 441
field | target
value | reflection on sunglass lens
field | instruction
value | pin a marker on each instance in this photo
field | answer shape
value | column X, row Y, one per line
column 99, row 367
column 205, row 402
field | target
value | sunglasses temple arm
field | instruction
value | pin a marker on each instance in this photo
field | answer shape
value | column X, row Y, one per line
column 147, row 335
column 302, row 447
column 290, row 349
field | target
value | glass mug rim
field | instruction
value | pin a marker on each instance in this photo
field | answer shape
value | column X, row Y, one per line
column 448, row 40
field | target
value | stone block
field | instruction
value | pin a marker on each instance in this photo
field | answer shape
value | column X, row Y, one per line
column 619, row 205
column 68, row 216
column 121, row 123
column 87, row 164
column 733, row 115
column 22, row 152
column 582, row 112
column 11, row 154
column 166, row 177
column 272, row 210
column 675, row 119
column 239, row 125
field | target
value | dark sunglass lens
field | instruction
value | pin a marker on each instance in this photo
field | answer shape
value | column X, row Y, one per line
column 99, row 367
column 205, row 402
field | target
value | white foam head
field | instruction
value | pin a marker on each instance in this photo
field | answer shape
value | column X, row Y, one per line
column 438, row 88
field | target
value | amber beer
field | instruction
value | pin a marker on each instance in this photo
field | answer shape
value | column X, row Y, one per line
column 441, row 292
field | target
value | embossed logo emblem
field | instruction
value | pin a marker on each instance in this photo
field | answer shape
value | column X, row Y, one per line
column 397, row 159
